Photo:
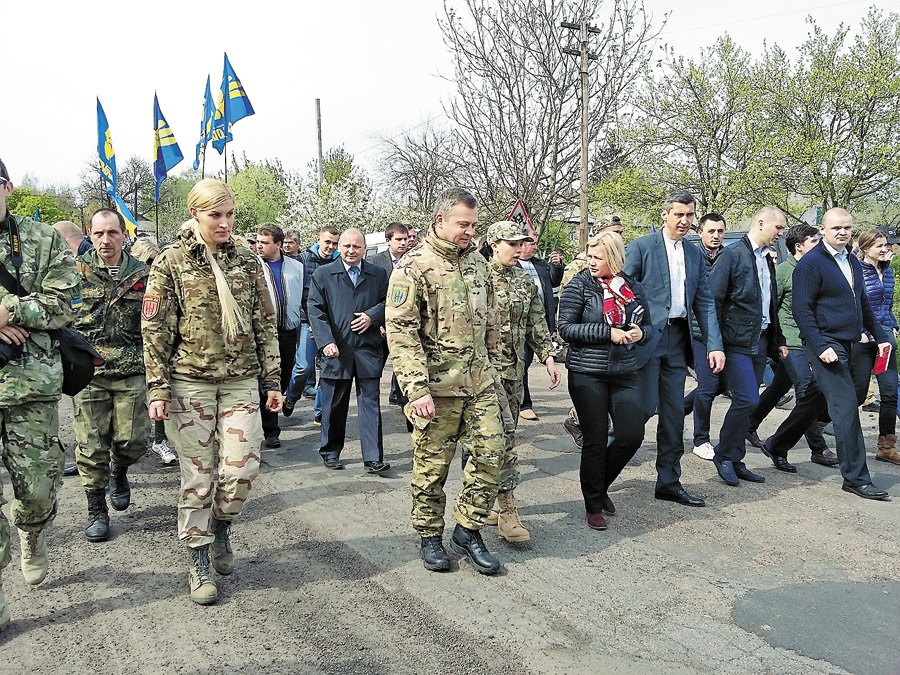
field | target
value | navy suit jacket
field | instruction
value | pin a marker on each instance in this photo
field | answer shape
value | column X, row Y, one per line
column 331, row 306
column 547, row 275
column 383, row 260
column 646, row 261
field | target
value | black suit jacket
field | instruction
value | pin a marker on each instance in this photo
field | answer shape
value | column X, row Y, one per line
column 332, row 304
column 383, row 260
column 547, row 275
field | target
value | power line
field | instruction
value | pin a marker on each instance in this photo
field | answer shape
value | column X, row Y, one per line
column 399, row 134
column 760, row 18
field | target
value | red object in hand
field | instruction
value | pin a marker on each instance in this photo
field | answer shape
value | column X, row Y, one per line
column 881, row 362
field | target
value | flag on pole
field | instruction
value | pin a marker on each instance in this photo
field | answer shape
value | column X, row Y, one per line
column 233, row 106
column 205, row 125
column 165, row 147
column 37, row 214
column 105, row 151
column 130, row 220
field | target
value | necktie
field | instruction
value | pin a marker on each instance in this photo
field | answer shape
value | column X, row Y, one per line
column 354, row 275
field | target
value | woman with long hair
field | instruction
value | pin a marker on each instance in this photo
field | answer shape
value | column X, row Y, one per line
column 602, row 316
column 209, row 338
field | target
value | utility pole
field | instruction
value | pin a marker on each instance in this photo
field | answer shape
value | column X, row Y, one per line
column 583, row 28
column 319, row 129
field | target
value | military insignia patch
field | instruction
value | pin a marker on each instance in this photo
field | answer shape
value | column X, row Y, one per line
column 399, row 293
column 151, row 306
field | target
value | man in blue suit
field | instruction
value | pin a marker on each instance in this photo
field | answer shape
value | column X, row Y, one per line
column 673, row 274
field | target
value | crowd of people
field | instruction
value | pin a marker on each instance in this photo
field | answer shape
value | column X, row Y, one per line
column 209, row 338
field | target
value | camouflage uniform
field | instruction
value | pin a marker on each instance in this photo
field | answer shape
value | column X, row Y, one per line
column 30, row 385
column 521, row 319
column 111, row 420
column 211, row 383
column 440, row 326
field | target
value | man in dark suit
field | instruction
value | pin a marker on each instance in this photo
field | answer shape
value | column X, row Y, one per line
column 831, row 308
column 397, row 237
column 546, row 277
column 673, row 274
column 346, row 311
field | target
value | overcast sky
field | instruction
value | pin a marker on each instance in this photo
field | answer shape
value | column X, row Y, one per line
column 376, row 66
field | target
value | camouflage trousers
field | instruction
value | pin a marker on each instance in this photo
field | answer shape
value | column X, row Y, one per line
column 111, row 423
column 34, row 460
column 509, row 469
column 474, row 423
column 209, row 421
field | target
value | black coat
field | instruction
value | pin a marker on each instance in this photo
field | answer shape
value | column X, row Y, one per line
column 332, row 303
column 550, row 278
column 382, row 260
column 583, row 325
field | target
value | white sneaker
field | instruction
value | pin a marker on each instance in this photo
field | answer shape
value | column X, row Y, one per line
column 705, row 451
column 164, row 451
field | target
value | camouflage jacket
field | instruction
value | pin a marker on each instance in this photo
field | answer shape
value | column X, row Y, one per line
column 48, row 276
column 110, row 318
column 520, row 318
column 440, row 321
column 182, row 319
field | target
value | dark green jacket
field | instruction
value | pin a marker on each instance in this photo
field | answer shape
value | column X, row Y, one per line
column 784, row 275
column 110, row 318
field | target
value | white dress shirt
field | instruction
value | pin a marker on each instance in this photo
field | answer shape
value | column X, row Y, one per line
column 677, row 277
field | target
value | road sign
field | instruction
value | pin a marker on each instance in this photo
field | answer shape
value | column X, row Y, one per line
column 519, row 215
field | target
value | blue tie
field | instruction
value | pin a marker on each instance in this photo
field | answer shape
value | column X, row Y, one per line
column 354, row 275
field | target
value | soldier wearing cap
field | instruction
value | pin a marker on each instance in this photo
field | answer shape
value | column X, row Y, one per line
column 440, row 320
column 521, row 320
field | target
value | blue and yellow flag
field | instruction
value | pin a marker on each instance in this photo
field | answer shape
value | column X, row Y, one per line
column 205, row 126
column 233, row 106
column 165, row 147
column 130, row 220
column 105, row 151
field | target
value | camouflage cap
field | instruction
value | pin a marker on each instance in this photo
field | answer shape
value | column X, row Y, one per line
column 507, row 230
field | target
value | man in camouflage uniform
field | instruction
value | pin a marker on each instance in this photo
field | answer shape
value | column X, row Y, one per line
column 31, row 382
column 521, row 320
column 111, row 422
column 440, row 318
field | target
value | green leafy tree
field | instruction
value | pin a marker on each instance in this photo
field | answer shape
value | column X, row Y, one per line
column 24, row 201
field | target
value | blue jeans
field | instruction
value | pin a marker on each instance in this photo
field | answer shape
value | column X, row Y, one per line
column 304, row 363
column 744, row 373
column 700, row 400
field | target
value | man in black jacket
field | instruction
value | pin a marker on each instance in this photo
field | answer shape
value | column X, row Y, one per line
column 743, row 285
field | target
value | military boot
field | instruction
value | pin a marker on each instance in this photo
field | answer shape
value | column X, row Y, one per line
column 509, row 525
column 220, row 549
column 98, row 516
column 35, row 560
column 119, row 490
column 434, row 557
column 887, row 449
column 468, row 543
column 4, row 607
column 203, row 590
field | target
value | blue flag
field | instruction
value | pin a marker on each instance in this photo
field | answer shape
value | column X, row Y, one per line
column 37, row 214
column 205, row 126
column 130, row 220
column 233, row 106
column 165, row 147
column 105, row 151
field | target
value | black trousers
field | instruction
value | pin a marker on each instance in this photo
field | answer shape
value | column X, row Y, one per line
column 287, row 348
column 597, row 398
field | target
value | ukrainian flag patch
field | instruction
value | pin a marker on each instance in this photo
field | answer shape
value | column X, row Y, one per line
column 77, row 303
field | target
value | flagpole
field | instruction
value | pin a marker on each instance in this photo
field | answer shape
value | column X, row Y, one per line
column 203, row 165
column 157, row 221
column 226, row 159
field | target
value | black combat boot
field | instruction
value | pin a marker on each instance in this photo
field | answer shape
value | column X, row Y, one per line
column 119, row 490
column 434, row 557
column 98, row 516
column 468, row 543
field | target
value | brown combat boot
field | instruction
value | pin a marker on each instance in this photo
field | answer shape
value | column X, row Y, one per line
column 508, row 524
column 203, row 590
column 220, row 550
column 887, row 449
column 4, row 607
column 35, row 560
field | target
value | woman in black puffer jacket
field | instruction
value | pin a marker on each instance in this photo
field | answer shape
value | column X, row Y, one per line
column 602, row 317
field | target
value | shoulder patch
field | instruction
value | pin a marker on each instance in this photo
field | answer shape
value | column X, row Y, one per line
column 151, row 306
column 399, row 293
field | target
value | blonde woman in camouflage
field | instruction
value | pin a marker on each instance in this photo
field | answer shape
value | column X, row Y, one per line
column 209, row 338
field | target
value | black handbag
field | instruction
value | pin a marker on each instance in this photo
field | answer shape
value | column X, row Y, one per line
column 79, row 358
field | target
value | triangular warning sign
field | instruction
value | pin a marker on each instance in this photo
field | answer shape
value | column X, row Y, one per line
column 519, row 215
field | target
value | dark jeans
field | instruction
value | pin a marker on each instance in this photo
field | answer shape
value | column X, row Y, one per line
column 335, row 405
column 744, row 373
column 781, row 384
column 303, row 375
column 864, row 355
column 287, row 347
column 836, row 380
column 596, row 398
column 527, row 403
column 803, row 418
column 700, row 400
column 159, row 431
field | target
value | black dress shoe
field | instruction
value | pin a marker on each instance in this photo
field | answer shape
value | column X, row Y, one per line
column 377, row 467
column 273, row 442
column 333, row 463
column 778, row 461
column 434, row 557
column 725, row 467
column 469, row 544
column 70, row 470
column 744, row 473
column 867, row 491
column 754, row 439
column 825, row 458
column 680, row 496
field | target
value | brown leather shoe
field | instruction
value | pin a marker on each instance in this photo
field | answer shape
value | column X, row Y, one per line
column 887, row 449
column 596, row 521
column 826, row 458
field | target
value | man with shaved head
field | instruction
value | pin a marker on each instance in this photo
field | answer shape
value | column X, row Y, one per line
column 743, row 285
column 73, row 236
column 346, row 312
column 831, row 309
